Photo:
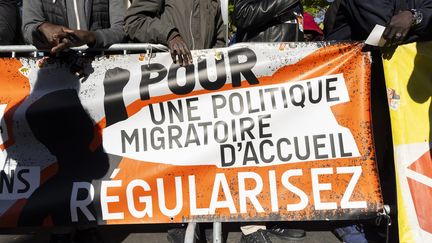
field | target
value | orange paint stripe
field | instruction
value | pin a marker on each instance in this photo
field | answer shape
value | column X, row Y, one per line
column 15, row 88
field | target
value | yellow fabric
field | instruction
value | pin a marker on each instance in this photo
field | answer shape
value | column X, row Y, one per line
column 409, row 87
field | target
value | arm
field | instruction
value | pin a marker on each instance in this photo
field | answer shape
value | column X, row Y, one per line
column 142, row 22
column 32, row 18
column 114, row 34
column 255, row 13
column 404, row 27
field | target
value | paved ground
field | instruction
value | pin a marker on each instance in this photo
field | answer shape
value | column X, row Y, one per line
column 154, row 233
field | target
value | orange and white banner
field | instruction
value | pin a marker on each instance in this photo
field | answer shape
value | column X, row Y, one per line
column 409, row 89
column 246, row 133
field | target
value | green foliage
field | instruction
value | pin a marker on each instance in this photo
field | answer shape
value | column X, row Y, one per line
column 317, row 8
column 314, row 6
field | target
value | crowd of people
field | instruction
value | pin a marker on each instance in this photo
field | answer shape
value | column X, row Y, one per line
column 185, row 25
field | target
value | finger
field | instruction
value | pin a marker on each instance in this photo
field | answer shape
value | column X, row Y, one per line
column 180, row 59
column 188, row 54
column 390, row 36
column 184, row 59
column 187, row 57
column 53, row 41
column 173, row 56
column 174, row 52
column 404, row 35
column 395, row 36
column 66, row 44
column 60, row 37
column 387, row 32
column 67, row 30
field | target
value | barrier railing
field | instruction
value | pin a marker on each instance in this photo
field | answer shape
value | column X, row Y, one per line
column 13, row 49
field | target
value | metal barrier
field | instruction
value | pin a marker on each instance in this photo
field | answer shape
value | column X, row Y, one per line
column 13, row 49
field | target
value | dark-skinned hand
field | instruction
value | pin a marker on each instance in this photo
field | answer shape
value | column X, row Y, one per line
column 73, row 38
column 399, row 26
column 179, row 51
column 50, row 31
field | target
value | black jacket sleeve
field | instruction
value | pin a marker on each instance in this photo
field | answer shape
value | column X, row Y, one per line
column 368, row 13
column 8, row 21
column 424, row 29
column 143, row 24
column 114, row 34
column 250, row 14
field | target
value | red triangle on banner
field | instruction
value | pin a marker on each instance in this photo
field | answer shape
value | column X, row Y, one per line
column 423, row 165
column 421, row 193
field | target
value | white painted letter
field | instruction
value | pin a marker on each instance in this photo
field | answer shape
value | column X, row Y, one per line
column 81, row 204
column 356, row 171
column 193, row 198
column 251, row 194
column 304, row 200
column 161, row 197
column 317, row 187
column 273, row 191
column 142, row 199
column 220, row 180
column 105, row 199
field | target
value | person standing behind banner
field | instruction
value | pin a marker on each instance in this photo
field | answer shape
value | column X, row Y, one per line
column 60, row 24
column 405, row 21
column 268, row 20
column 9, row 22
column 182, row 25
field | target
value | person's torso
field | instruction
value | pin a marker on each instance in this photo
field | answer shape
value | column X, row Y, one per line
column 77, row 14
column 195, row 20
column 340, row 23
column 287, row 28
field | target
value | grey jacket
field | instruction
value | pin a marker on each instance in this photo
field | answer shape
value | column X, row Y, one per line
column 103, row 17
column 199, row 22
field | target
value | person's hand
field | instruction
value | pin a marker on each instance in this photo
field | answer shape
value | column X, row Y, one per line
column 179, row 51
column 50, row 33
column 399, row 26
column 73, row 38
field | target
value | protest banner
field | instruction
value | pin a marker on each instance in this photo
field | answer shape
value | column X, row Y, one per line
column 409, row 90
column 254, row 132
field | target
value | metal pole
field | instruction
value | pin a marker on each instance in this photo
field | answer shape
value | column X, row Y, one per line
column 190, row 233
column 217, row 232
column 115, row 47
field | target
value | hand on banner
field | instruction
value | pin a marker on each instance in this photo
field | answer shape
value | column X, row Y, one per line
column 179, row 51
column 399, row 26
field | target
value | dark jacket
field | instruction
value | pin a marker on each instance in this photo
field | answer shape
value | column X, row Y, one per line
column 355, row 19
column 103, row 17
column 199, row 22
column 9, row 22
column 268, row 20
